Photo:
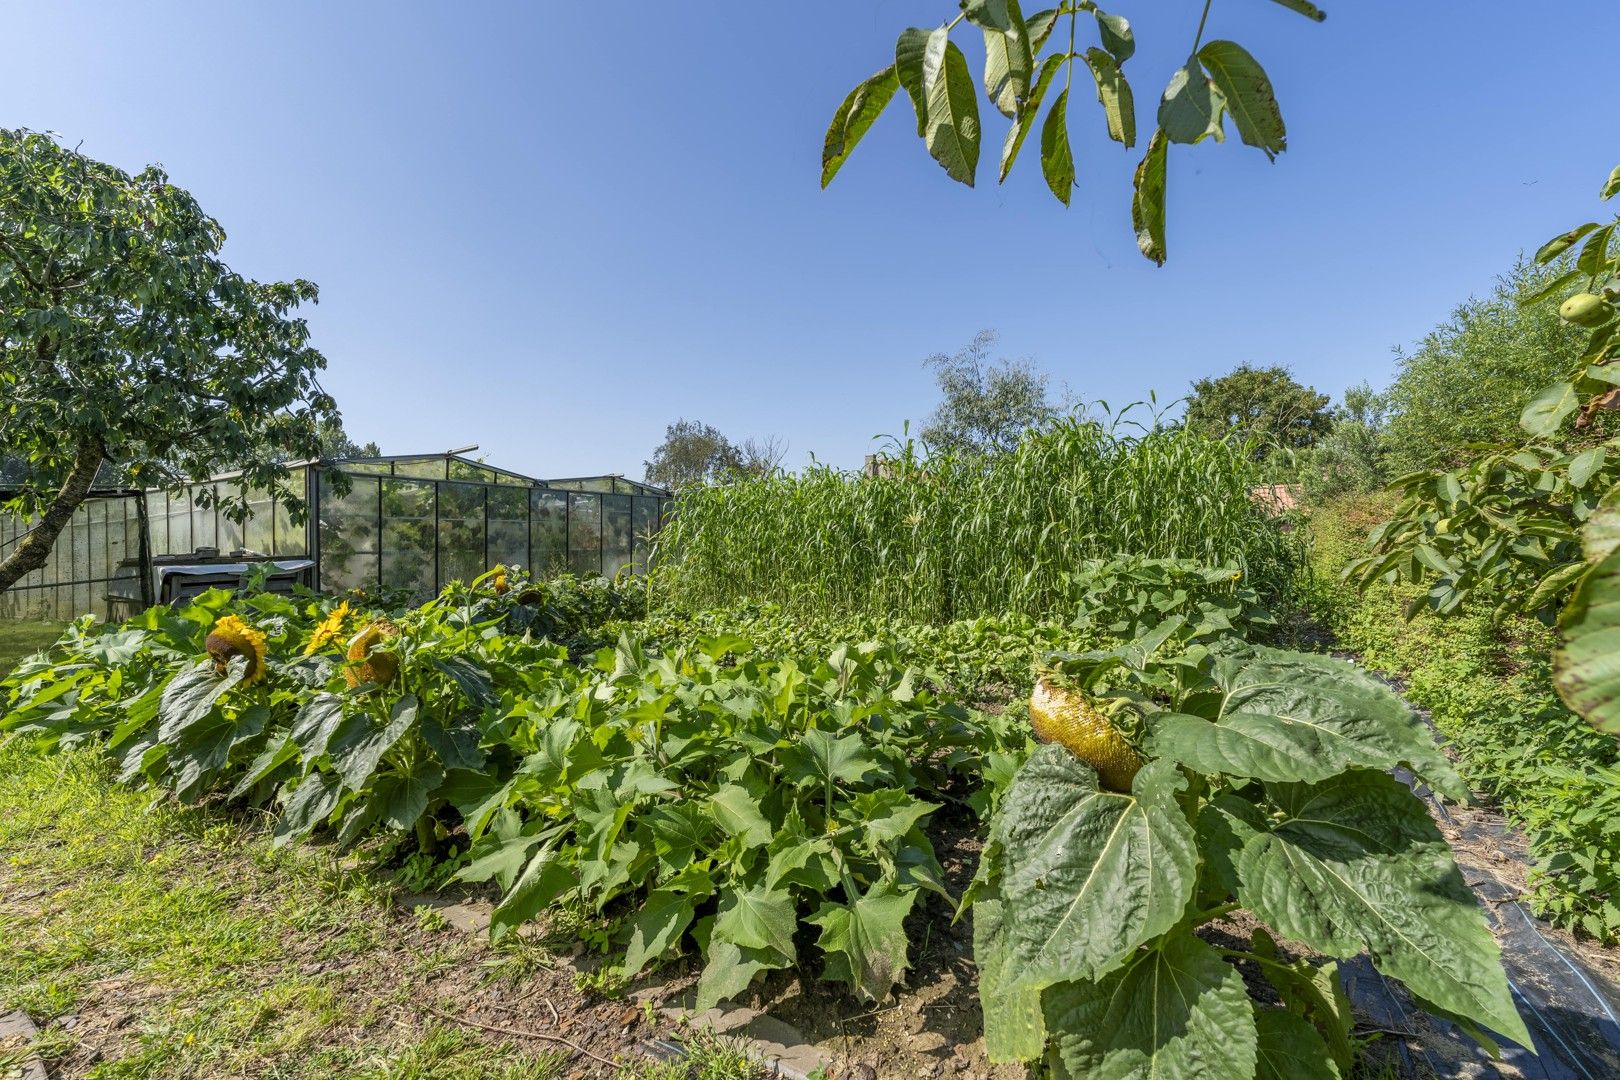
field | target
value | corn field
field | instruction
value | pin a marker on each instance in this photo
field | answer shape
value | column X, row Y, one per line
column 943, row 536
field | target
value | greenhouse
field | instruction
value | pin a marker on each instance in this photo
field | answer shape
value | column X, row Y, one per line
column 407, row 523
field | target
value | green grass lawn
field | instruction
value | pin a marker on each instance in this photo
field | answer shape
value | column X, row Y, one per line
column 19, row 639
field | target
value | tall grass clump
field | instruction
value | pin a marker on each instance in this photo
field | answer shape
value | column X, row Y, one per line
column 946, row 536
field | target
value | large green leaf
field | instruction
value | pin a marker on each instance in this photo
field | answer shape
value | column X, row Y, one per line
column 1057, row 160
column 910, row 49
column 1008, row 62
column 1357, row 864
column 1586, row 667
column 1192, row 106
column 1147, row 200
column 1562, row 242
column 1114, row 94
column 1115, row 32
column 953, row 109
column 1014, row 1029
column 310, row 804
column 544, row 879
column 865, row 942
column 737, row 812
column 190, row 697
column 403, row 797
column 827, row 758
column 854, row 117
column 757, row 918
column 1092, row 874
column 1611, row 185
column 1291, row 1049
column 1326, row 706
column 1601, row 533
column 663, row 917
column 315, row 723
column 1177, row 1011
column 1549, row 409
column 359, row 742
column 730, row 970
column 1026, row 118
column 1250, row 100
column 1250, row 744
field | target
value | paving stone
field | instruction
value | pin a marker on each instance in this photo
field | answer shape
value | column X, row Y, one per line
column 16, row 1027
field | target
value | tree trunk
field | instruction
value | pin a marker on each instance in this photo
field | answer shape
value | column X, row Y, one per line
column 35, row 548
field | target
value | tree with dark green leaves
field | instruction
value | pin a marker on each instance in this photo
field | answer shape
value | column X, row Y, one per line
column 1353, row 458
column 1024, row 57
column 336, row 443
column 697, row 453
column 125, row 341
column 1468, row 379
column 1264, row 403
column 987, row 405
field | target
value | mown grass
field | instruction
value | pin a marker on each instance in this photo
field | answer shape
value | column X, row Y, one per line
column 120, row 913
column 20, row 639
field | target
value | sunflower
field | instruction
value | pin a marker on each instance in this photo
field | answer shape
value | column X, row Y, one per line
column 329, row 628
column 367, row 663
column 232, row 637
column 499, row 584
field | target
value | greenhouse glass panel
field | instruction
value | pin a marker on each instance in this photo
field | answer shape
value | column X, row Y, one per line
column 96, row 518
column 78, row 566
column 643, row 524
column 204, row 528
column 466, row 470
column 615, row 534
column 256, row 530
column 120, row 517
column 157, row 515
column 585, row 534
column 508, row 526
column 290, row 539
column 230, row 530
column 408, row 536
column 369, row 468
column 427, row 468
column 548, row 531
column 179, row 515
column 348, row 534
column 461, row 532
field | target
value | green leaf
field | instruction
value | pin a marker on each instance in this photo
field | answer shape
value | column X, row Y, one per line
column 1290, row 1048
column 1334, row 707
column 1014, row 1029
column 1611, row 185
column 1595, row 252
column 315, row 723
column 403, row 797
column 909, row 52
column 1008, row 63
column 865, row 942
column 953, row 109
column 1192, row 106
column 888, row 815
column 359, row 743
column 1026, row 118
column 1092, row 874
column 730, row 970
column 680, row 830
column 1601, row 533
column 853, row 119
column 1586, row 668
column 1114, row 94
column 501, row 859
column 1057, row 161
column 737, row 812
column 1177, row 1011
column 1562, row 243
column 190, row 697
column 1249, row 98
column 757, row 918
column 543, row 880
column 1040, row 28
column 456, row 743
column 994, row 14
column 1549, row 409
column 663, row 918
column 1309, row 10
column 1249, row 744
column 471, row 679
column 1115, row 31
column 827, row 758
column 310, row 804
column 1358, row 864
column 1147, row 202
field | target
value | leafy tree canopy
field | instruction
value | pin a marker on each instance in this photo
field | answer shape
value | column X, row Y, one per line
column 335, row 442
column 1353, row 458
column 1265, row 403
column 988, row 405
column 125, row 340
column 1468, row 379
column 696, row 453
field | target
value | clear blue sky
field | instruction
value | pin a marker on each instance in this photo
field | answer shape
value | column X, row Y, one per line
column 554, row 228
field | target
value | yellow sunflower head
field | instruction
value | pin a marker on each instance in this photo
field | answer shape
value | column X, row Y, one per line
column 499, row 583
column 231, row 637
column 329, row 628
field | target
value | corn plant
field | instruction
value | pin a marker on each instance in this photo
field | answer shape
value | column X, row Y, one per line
column 951, row 536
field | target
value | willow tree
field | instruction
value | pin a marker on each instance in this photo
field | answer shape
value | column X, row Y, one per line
column 127, row 343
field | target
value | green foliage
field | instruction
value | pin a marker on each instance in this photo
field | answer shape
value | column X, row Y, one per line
column 1219, row 80
column 696, row 453
column 124, row 340
column 959, row 536
column 1487, row 683
column 1266, row 405
column 1468, row 380
column 1267, row 789
column 1353, row 458
column 987, row 407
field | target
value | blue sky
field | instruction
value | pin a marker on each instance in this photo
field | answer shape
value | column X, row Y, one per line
column 552, row 229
